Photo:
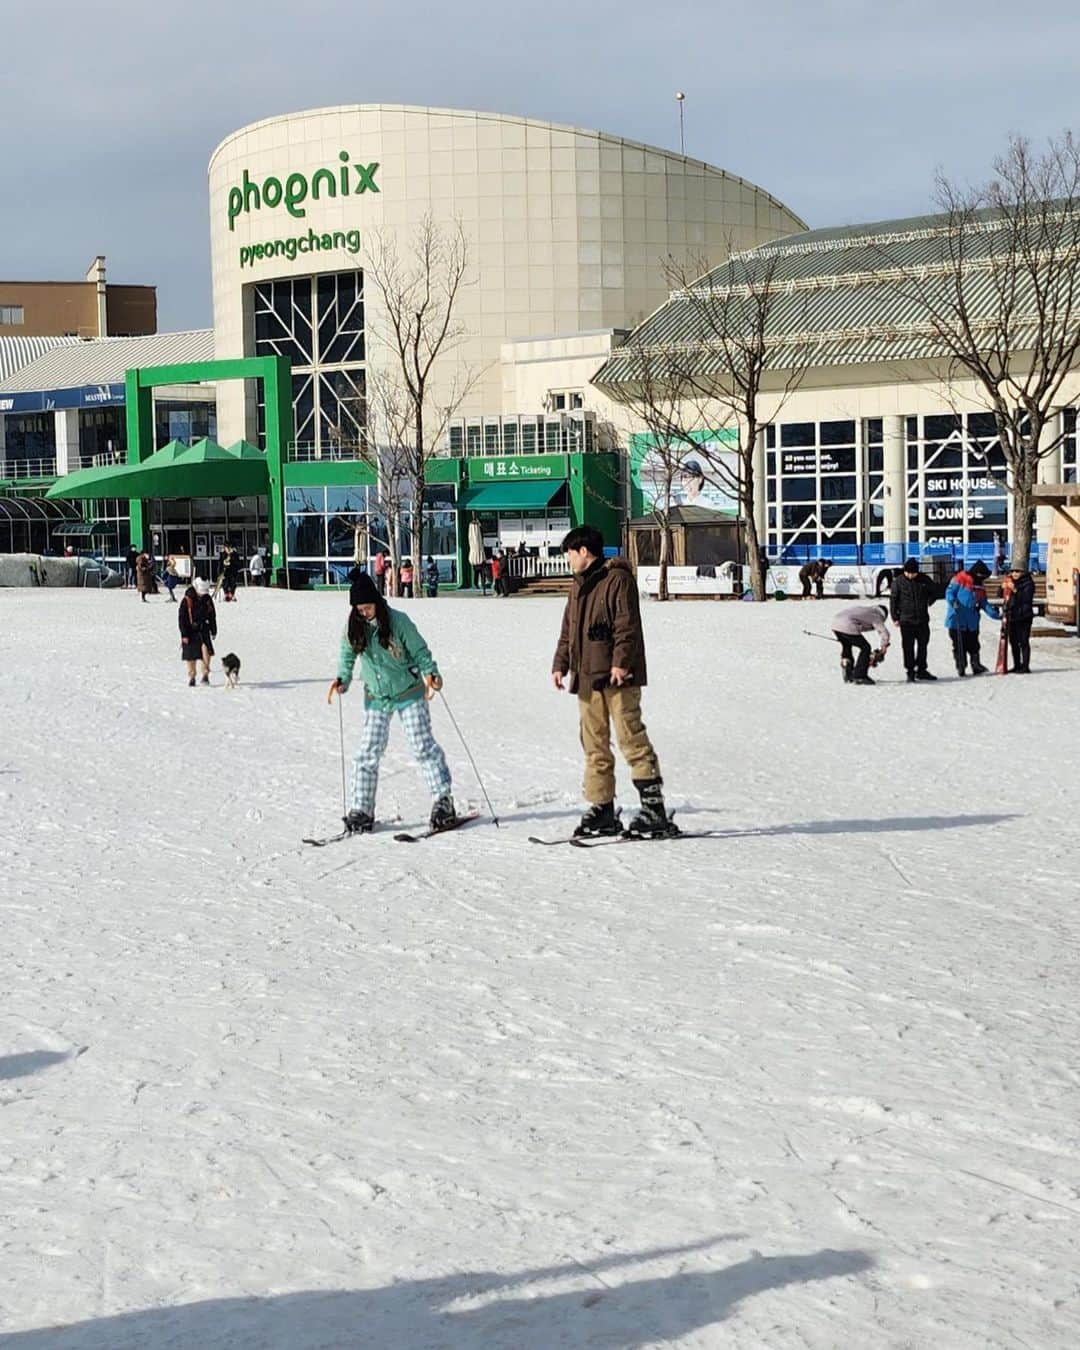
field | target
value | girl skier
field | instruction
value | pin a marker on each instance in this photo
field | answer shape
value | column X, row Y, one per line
column 399, row 676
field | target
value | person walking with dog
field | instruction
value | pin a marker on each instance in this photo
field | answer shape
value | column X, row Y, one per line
column 399, row 676
column 849, row 628
column 197, row 619
column 910, row 597
column 600, row 656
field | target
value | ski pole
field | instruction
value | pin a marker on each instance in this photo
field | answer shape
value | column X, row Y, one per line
column 341, row 736
column 472, row 761
column 818, row 635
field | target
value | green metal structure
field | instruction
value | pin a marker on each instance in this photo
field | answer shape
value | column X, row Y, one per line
column 275, row 374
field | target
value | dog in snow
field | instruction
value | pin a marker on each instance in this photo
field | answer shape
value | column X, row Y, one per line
column 231, row 666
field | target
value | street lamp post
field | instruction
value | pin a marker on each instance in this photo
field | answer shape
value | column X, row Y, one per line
column 680, row 99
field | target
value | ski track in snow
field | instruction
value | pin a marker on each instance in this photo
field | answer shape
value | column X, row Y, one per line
column 810, row 1085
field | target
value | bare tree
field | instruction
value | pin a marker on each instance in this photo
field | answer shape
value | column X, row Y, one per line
column 418, row 325
column 739, row 347
column 1000, row 304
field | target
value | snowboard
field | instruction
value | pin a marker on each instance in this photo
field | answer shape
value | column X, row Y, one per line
column 469, row 818
column 1001, row 666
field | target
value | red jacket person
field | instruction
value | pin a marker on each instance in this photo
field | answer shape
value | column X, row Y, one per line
column 601, row 658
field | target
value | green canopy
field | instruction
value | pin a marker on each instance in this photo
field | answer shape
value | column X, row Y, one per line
column 204, row 469
column 511, row 494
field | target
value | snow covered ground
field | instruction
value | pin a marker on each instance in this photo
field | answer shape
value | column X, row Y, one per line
column 812, row 1084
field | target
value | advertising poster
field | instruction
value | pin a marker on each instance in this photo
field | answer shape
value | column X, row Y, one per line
column 697, row 481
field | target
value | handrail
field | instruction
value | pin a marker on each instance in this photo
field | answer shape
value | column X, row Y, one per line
column 28, row 468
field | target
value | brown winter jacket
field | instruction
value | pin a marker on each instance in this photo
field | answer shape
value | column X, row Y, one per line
column 601, row 627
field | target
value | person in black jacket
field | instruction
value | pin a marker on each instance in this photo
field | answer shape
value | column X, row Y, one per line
column 1019, row 612
column 197, row 619
column 910, row 599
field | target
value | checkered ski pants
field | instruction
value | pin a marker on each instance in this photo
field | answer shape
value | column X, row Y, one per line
column 416, row 719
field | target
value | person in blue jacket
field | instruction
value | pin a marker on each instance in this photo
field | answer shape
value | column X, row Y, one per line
column 399, row 675
column 964, row 602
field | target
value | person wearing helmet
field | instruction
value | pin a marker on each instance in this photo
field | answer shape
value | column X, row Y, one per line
column 848, row 628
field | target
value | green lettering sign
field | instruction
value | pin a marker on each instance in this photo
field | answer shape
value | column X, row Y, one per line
column 516, row 468
column 248, row 195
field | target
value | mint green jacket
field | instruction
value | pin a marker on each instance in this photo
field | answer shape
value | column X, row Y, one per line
column 392, row 676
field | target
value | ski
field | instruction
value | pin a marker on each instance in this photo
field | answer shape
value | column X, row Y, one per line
column 1001, row 666
column 628, row 838
column 461, row 821
column 345, row 834
column 600, row 841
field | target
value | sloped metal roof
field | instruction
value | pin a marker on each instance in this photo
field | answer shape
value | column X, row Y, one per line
column 105, row 360
column 17, row 352
column 840, row 296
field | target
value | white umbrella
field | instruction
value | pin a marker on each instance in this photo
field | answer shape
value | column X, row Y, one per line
column 476, row 544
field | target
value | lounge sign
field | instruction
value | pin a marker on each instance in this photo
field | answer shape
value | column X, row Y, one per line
column 519, row 468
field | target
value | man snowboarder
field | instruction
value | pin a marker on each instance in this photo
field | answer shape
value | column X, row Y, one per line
column 910, row 599
column 600, row 656
column 848, row 629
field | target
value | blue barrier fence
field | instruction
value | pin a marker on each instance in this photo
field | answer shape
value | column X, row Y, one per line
column 893, row 555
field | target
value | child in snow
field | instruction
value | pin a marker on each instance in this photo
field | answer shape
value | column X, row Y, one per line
column 965, row 600
column 431, row 578
column 406, row 575
column 399, row 676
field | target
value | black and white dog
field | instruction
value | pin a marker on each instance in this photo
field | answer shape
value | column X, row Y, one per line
column 231, row 665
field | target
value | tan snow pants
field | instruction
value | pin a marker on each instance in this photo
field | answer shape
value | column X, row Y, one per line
column 598, row 709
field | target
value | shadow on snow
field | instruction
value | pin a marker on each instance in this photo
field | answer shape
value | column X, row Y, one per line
column 31, row 1061
column 411, row 1313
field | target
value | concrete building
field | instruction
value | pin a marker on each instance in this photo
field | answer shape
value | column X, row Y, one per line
column 566, row 232
column 91, row 308
column 880, row 449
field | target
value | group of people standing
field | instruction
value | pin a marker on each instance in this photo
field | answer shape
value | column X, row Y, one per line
column 406, row 577
column 911, row 597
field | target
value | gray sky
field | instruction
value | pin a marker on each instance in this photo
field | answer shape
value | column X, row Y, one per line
column 841, row 108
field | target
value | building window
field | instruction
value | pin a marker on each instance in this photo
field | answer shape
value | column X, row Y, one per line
column 824, row 486
column 11, row 316
column 957, row 497
column 318, row 323
column 1068, row 447
column 325, row 525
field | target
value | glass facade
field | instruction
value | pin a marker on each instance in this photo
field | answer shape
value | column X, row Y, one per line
column 183, row 422
column 556, row 434
column 318, row 323
column 824, row 485
column 326, row 525
column 956, row 493
column 30, row 436
column 1068, row 447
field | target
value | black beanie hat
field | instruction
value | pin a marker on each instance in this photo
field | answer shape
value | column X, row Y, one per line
column 911, row 565
column 363, row 590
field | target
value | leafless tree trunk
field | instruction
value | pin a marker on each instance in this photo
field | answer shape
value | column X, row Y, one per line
column 715, row 376
column 741, row 311
column 418, row 325
column 1001, row 304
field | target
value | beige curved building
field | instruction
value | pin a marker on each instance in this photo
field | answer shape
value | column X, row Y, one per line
column 566, row 230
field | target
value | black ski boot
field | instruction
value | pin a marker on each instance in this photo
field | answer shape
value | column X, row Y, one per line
column 443, row 815
column 358, row 822
column 600, row 818
column 653, row 817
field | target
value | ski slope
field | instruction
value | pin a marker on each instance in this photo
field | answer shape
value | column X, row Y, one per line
column 813, row 1084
